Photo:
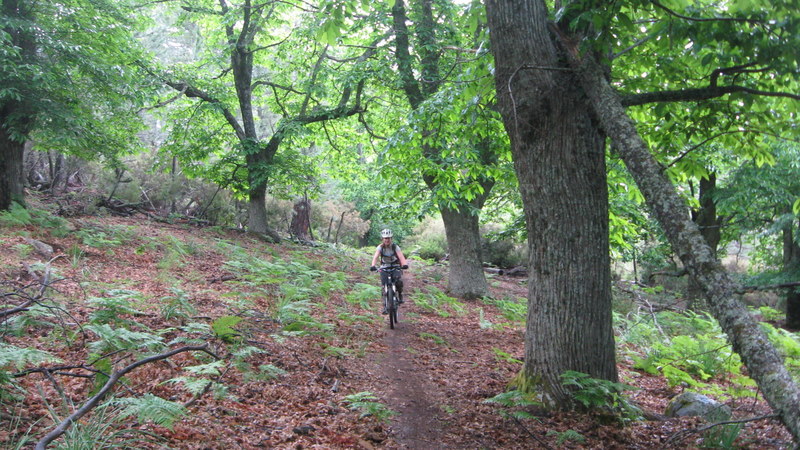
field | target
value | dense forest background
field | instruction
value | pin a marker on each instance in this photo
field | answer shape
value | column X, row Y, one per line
column 596, row 151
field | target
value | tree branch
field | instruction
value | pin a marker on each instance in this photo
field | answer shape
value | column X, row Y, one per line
column 92, row 402
column 696, row 95
column 192, row 92
column 707, row 19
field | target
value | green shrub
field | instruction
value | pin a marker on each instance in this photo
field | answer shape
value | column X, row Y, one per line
column 432, row 247
column 503, row 253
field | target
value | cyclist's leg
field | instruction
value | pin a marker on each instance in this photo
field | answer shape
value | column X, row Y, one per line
column 384, row 282
column 399, row 284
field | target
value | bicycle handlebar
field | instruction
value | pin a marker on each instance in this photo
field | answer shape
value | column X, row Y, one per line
column 392, row 267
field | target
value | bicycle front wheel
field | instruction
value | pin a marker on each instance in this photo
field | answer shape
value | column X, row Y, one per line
column 391, row 305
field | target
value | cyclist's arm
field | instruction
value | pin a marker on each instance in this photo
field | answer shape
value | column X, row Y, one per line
column 376, row 256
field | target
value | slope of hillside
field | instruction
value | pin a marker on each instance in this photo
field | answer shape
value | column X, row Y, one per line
column 297, row 353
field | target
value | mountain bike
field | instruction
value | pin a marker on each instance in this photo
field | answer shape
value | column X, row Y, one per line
column 389, row 294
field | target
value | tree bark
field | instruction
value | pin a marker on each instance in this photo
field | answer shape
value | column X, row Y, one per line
column 763, row 362
column 301, row 219
column 466, row 278
column 11, row 171
column 16, row 116
column 559, row 159
column 791, row 263
column 710, row 228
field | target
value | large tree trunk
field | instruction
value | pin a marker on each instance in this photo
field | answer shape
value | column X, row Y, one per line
column 466, row 278
column 560, row 163
column 710, row 228
column 16, row 116
column 791, row 263
column 301, row 220
column 11, row 171
column 257, row 210
column 763, row 362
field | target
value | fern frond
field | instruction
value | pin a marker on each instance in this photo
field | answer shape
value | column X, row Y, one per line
column 113, row 339
column 194, row 385
column 151, row 408
column 212, row 369
column 18, row 358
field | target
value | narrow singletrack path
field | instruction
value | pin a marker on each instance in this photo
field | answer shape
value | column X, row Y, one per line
column 407, row 389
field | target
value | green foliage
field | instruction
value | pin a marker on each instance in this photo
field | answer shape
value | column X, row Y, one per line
column 513, row 309
column 115, row 339
column 223, row 328
column 503, row 253
column 20, row 216
column 16, row 216
column 432, row 247
column 515, row 403
column 105, row 237
column 787, row 344
column 151, row 408
column 694, row 349
column 104, row 428
column 177, row 306
column 268, row 372
column 13, row 357
column 438, row 302
column 363, row 295
column 113, row 308
column 600, row 395
column 438, row 340
column 567, row 436
column 503, row 356
column 332, row 282
column 18, row 438
column 722, row 436
column 175, row 251
column 365, row 402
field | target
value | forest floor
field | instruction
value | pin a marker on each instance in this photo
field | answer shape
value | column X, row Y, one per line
column 428, row 379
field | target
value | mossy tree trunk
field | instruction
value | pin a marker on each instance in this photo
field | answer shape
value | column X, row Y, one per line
column 559, row 159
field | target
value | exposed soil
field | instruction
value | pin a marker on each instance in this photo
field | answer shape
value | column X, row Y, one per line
column 435, row 370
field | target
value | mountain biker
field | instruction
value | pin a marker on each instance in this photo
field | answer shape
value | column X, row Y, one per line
column 390, row 254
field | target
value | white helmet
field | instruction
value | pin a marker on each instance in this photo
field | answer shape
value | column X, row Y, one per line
column 386, row 233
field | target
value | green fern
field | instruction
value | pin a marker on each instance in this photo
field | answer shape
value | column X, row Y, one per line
column 102, row 429
column 503, row 356
column 210, row 369
column 177, row 306
column 16, row 216
column 223, row 328
column 114, row 339
column 266, row 372
column 18, row 358
column 193, row 385
column 515, row 402
column 111, row 309
column 598, row 395
column 365, row 296
column 567, row 436
column 438, row 302
column 365, row 402
column 151, row 408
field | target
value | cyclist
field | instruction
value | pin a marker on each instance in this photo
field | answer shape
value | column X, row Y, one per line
column 390, row 254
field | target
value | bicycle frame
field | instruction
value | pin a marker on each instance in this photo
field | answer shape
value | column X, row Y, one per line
column 390, row 292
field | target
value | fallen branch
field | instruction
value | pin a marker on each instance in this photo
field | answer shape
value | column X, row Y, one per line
column 112, row 380
column 683, row 434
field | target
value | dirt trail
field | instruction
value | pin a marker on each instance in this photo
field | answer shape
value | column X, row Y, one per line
column 407, row 388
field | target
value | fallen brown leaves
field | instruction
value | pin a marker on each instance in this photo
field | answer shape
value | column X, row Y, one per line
column 436, row 372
